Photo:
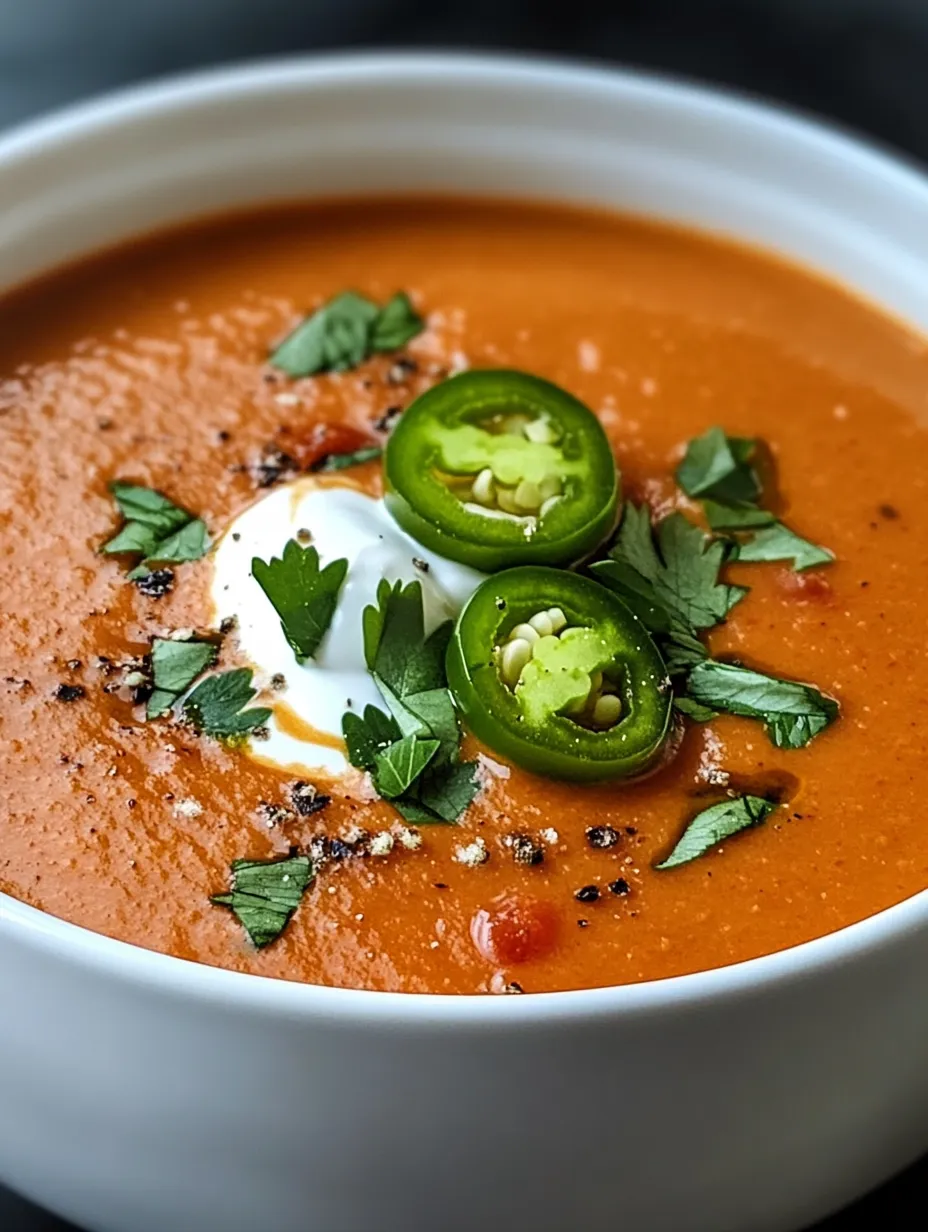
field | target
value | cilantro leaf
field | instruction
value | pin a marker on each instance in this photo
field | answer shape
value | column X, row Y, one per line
column 793, row 713
column 395, row 646
column 778, row 542
column 710, row 827
column 399, row 765
column 737, row 516
column 681, row 652
column 265, row 894
column 156, row 529
column 216, row 705
column 175, row 666
column 719, row 466
column 420, row 771
column 689, row 583
column 447, row 791
column 396, row 324
column 694, row 710
column 344, row 332
column 303, row 595
column 668, row 577
column 368, row 735
column 342, row 461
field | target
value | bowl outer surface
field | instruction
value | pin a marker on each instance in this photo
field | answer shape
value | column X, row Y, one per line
column 139, row 1093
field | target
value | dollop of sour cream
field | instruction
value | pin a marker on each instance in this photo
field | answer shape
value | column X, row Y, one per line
column 341, row 522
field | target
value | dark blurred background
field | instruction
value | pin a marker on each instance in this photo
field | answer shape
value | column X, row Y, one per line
column 863, row 63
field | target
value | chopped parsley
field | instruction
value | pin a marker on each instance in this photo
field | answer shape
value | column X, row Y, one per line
column 303, row 595
column 778, row 542
column 216, row 706
column 342, row 461
column 718, row 469
column 412, row 752
column 344, row 332
column 715, row 824
column 175, row 666
column 792, row 713
column 156, row 530
column 265, row 894
column 669, row 577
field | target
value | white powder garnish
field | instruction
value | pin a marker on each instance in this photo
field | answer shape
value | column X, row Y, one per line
column 487, row 768
column 410, row 839
column 588, row 356
column 286, row 399
column 710, row 760
column 381, row 844
column 473, row 854
column 188, row 808
column 549, row 835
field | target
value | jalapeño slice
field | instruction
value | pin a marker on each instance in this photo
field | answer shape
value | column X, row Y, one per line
column 497, row 468
column 553, row 672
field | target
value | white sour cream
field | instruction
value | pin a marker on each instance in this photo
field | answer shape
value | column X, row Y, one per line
column 344, row 524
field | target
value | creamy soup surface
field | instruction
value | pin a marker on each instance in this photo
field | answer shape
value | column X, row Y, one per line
column 149, row 365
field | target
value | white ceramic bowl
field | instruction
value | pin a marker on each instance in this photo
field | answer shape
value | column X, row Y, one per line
column 140, row 1093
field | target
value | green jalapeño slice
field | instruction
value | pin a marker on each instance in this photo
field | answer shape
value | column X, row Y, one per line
column 553, row 672
column 495, row 468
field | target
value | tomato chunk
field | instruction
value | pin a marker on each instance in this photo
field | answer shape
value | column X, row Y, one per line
column 515, row 929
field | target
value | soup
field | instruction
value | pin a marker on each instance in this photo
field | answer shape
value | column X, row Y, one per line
column 706, row 745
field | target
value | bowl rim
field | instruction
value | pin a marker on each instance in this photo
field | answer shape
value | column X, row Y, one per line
column 263, row 995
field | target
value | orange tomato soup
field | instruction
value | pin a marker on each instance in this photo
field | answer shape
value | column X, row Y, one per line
column 149, row 364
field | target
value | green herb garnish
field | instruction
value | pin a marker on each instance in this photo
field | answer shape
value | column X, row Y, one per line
column 399, row 765
column 175, row 666
column 778, row 542
column 156, row 529
column 303, row 595
column 792, row 713
column 344, row 332
column 717, row 469
column 669, row 576
column 216, row 706
column 412, row 753
column 342, row 461
column 715, row 824
column 265, row 894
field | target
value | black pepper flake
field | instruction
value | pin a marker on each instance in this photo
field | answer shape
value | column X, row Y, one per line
column 890, row 512
column 272, row 466
column 501, row 605
column 307, row 799
column 304, row 536
column 401, row 370
column 602, row 837
column 420, row 564
column 513, row 987
column 228, row 625
column 524, row 849
column 631, row 830
column 440, row 885
column 131, row 803
column 587, row 894
column 156, row 584
column 223, row 436
column 70, row 692
column 273, row 814
column 385, row 422
column 583, row 923
column 620, row 886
